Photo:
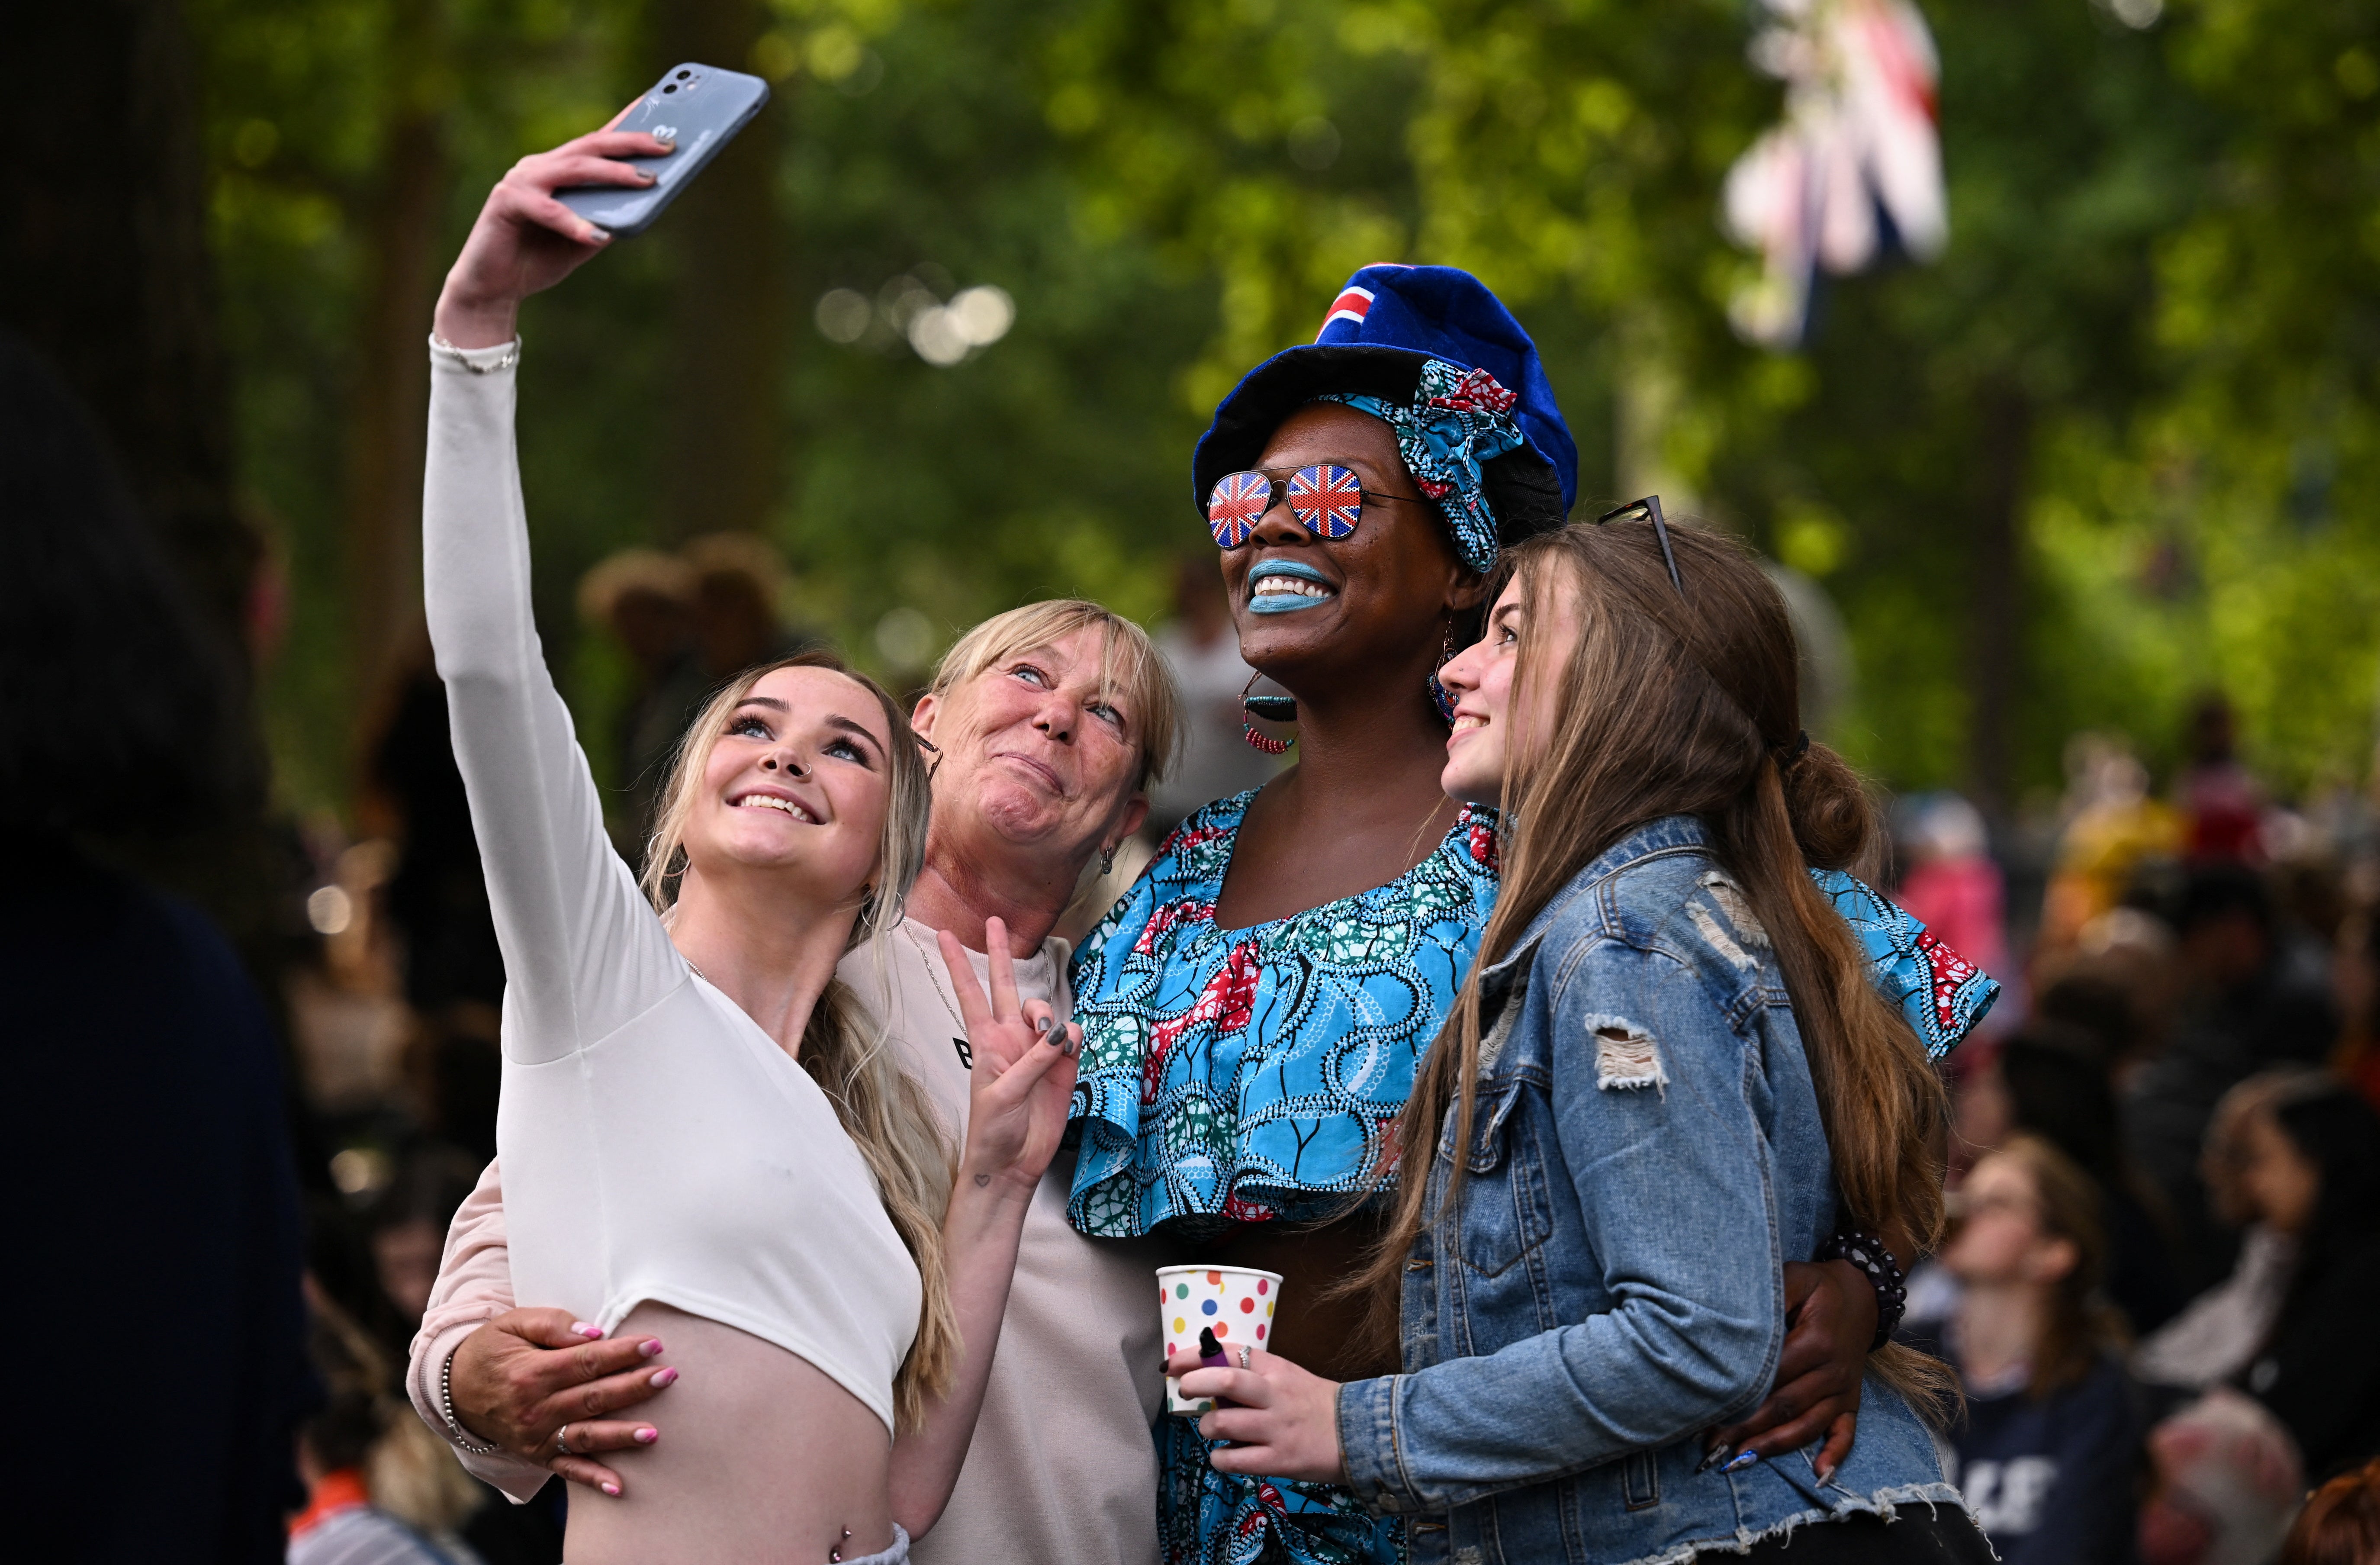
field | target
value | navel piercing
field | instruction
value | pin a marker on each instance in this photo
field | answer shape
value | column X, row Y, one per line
column 834, row 1554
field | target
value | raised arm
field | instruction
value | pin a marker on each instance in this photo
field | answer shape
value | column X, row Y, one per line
column 582, row 952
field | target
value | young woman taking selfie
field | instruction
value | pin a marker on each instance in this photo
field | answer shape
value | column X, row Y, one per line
column 1668, row 1071
column 701, row 1141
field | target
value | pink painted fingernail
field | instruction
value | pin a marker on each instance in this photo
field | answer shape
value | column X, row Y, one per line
column 648, row 1434
column 663, row 1376
column 653, row 1347
column 612, row 1489
column 581, row 1328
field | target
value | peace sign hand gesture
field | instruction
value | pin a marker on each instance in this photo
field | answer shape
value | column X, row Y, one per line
column 1024, row 1076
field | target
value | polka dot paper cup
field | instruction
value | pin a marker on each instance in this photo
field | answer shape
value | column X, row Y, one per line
column 1235, row 1303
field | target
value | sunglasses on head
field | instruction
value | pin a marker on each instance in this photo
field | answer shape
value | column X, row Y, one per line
column 1649, row 510
column 1326, row 500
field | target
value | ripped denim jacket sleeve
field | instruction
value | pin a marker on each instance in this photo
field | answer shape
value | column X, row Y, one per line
column 1622, row 1163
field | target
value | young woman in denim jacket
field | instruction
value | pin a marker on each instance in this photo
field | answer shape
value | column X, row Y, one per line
column 1668, row 1075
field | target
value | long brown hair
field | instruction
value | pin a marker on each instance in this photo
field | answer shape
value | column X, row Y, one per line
column 886, row 1112
column 1690, row 705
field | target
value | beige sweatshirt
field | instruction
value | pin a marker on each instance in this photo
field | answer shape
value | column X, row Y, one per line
column 1061, row 1470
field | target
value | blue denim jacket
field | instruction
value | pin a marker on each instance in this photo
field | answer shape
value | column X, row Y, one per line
column 1645, row 1156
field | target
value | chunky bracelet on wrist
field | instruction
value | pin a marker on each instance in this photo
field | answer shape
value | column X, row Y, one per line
column 1874, row 1258
column 454, row 1431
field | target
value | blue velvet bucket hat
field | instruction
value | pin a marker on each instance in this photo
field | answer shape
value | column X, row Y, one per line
column 1432, row 352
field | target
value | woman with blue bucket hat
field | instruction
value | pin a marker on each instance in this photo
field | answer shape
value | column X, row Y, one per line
column 1255, row 1008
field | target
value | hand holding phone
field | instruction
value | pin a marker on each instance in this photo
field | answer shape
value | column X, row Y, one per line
column 696, row 108
column 528, row 237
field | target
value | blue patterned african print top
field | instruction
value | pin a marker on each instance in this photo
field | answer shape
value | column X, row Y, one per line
column 1236, row 1075
column 1241, row 1074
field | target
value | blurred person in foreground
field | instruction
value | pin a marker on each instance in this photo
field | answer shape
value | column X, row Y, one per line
column 153, row 1158
column 2341, row 1523
column 1201, row 646
column 2255, row 999
column 2050, row 1435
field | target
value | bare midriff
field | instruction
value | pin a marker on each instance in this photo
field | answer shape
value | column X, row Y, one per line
column 762, row 1461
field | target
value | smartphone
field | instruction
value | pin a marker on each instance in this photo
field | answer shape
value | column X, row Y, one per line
column 701, row 109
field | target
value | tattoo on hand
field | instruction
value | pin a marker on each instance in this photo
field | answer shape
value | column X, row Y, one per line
column 982, row 1180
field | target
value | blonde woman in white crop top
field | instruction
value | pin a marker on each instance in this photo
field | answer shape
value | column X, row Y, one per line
column 671, row 1164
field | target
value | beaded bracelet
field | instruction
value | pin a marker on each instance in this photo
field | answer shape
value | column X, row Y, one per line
column 1873, row 1256
column 446, row 1409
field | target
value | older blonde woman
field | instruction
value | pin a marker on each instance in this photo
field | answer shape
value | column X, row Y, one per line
column 1050, row 721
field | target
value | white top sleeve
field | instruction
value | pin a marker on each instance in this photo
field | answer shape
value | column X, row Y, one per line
column 583, row 950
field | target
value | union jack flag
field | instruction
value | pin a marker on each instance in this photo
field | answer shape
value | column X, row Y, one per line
column 1326, row 500
column 1236, row 505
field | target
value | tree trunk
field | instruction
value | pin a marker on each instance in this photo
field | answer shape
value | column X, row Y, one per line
column 1994, row 648
column 728, row 359
column 391, row 389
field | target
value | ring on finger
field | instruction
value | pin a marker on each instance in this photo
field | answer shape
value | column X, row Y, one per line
column 1244, row 1356
column 562, row 1440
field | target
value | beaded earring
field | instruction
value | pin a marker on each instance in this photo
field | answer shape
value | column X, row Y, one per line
column 1439, row 695
column 1272, row 709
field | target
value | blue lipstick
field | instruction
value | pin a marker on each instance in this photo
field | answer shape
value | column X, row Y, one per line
column 1285, row 603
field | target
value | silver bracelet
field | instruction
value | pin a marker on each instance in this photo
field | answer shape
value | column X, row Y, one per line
column 446, row 1409
column 463, row 356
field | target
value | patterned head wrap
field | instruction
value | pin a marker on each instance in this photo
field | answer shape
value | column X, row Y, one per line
column 1457, row 419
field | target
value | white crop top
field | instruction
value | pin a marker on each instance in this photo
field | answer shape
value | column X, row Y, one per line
column 657, row 1145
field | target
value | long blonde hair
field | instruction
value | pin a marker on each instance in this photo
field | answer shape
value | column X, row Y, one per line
column 884, row 1111
column 1672, row 705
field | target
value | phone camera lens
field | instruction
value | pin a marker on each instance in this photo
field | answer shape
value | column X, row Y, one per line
column 671, row 88
column 683, row 74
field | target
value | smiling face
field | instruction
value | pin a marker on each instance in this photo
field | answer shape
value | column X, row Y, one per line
column 1502, row 720
column 1039, row 751
column 797, row 784
column 1303, row 605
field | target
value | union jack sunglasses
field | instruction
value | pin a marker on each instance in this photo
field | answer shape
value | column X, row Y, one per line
column 1328, row 501
column 1649, row 510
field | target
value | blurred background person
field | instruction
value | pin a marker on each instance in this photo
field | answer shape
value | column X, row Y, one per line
column 1950, row 884
column 2048, row 1442
column 2313, row 1171
column 646, row 600
column 2111, row 825
column 380, row 1489
column 152, row 1160
column 2341, row 1523
column 2224, row 1481
column 2222, row 806
column 2213, row 1339
column 1202, row 648
column 2252, row 998
column 2047, row 1081
column 740, row 588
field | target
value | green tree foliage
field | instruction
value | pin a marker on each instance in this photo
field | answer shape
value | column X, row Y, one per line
column 2114, row 447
